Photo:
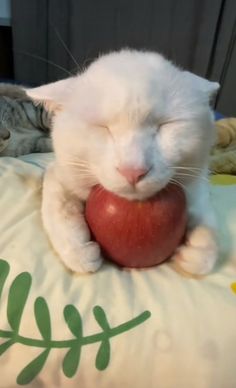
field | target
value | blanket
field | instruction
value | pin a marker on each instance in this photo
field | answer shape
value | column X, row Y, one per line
column 223, row 155
column 118, row 328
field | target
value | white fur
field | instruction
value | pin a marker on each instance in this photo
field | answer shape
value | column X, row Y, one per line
column 137, row 110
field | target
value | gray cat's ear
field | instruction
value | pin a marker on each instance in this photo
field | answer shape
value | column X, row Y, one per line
column 51, row 95
column 201, row 84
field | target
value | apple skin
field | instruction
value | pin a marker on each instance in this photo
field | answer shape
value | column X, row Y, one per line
column 137, row 234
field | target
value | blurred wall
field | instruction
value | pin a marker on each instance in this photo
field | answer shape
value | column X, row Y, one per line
column 198, row 35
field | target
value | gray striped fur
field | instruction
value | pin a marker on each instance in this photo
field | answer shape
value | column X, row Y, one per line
column 24, row 126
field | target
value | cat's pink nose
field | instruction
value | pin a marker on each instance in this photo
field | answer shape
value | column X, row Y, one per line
column 133, row 175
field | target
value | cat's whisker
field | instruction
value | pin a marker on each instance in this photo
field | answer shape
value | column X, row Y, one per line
column 82, row 168
column 83, row 174
column 213, row 171
column 66, row 47
column 44, row 60
column 194, row 172
column 78, row 164
column 177, row 183
column 79, row 171
column 82, row 171
column 192, row 176
column 100, row 191
column 74, row 159
column 186, row 168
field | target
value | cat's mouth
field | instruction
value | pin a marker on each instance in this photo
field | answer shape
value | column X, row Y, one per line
column 141, row 192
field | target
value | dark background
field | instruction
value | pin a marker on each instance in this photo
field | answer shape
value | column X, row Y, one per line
column 199, row 35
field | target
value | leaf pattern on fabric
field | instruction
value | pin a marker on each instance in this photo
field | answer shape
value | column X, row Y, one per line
column 17, row 298
column 42, row 318
column 33, row 368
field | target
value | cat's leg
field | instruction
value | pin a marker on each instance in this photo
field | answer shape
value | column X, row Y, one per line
column 4, row 138
column 201, row 250
column 66, row 227
column 43, row 144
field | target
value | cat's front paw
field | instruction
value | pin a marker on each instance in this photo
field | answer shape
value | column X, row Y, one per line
column 199, row 253
column 85, row 258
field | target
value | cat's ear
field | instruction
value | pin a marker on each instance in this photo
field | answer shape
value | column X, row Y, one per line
column 202, row 84
column 52, row 95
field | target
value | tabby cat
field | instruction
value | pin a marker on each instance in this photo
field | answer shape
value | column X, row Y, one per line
column 24, row 126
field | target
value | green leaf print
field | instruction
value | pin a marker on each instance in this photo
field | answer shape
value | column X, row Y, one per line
column 17, row 298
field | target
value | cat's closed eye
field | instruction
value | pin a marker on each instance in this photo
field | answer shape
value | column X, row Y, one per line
column 157, row 122
column 99, row 127
column 167, row 122
column 104, row 127
column 160, row 124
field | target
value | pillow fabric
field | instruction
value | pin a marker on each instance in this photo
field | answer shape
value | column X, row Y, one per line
column 155, row 328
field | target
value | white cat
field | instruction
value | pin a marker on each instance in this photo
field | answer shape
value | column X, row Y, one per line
column 132, row 122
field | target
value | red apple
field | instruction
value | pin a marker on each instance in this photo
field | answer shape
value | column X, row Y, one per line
column 137, row 233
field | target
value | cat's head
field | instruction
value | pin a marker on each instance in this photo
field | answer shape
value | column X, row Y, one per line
column 132, row 121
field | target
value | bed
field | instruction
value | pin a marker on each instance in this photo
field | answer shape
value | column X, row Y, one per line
column 155, row 328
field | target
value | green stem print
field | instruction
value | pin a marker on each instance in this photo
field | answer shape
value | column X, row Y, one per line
column 17, row 298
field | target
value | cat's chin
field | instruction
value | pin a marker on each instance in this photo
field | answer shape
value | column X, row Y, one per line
column 138, row 194
column 136, row 197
